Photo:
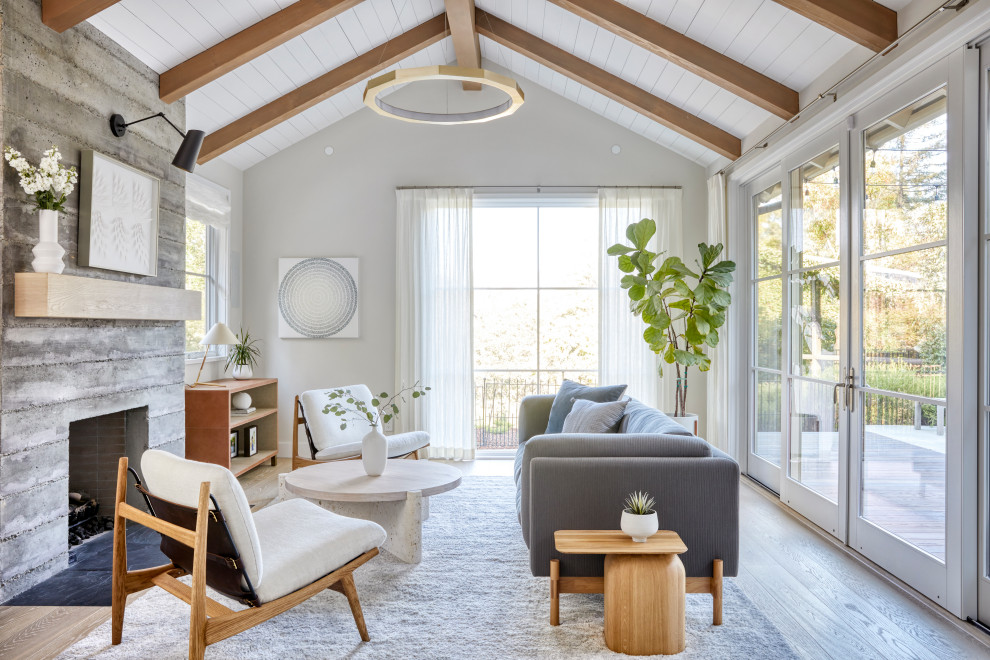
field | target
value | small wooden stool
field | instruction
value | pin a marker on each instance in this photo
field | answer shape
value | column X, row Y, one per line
column 644, row 587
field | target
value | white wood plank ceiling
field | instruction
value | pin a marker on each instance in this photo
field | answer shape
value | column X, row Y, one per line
column 761, row 34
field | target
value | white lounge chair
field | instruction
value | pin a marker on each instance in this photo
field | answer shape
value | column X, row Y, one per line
column 271, row 560
column 327, row 442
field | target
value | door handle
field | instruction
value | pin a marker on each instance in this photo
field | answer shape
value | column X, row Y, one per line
column 850, row 389
column 835, row 395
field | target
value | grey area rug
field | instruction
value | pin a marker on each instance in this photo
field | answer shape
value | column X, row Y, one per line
column 473, row 596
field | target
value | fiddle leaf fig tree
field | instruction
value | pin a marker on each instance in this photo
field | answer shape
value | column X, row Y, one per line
column 682, row 308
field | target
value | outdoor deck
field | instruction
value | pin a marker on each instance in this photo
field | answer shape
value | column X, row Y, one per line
column 903, row 478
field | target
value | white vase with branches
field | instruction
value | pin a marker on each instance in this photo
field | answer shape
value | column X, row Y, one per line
column 380, row 410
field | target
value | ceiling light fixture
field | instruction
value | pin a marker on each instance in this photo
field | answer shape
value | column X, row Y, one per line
column 192, row 140
column 375, row 87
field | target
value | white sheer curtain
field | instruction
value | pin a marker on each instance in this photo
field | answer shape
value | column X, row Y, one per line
column 624, row 356
column 433, row 316
column 717, row 429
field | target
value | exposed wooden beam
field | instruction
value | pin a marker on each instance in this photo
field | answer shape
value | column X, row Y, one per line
column 246, row 45
column 615, row 88
column 866, row 22
column 322, row 88
column 460, row 14
column 60, row 15
column 683, row 51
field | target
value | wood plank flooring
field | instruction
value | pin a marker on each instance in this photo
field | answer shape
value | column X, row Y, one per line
column 826, row 600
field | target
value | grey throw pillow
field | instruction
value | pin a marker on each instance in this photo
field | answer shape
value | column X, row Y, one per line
column 590, row 417
column 569, row 391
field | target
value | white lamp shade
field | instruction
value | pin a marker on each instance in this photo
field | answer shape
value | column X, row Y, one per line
column 219, row 335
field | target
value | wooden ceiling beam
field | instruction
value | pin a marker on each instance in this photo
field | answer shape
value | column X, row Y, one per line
column 460, row 14
column 688, row 53
column 246, row 45
column 60, row 15
column 866, row 22
column 612, row 86
column 319, row 89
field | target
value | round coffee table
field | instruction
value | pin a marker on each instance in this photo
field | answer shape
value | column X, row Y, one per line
column 396, row 500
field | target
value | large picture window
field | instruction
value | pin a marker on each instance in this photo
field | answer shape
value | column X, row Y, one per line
column 535, row 305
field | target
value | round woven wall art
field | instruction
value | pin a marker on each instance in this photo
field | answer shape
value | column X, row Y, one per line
column 318, row 297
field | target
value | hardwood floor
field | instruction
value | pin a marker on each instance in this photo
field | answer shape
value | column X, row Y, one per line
column 826, row 600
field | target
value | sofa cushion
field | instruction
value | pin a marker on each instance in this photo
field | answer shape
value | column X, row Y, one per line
column 640, row 418
column 569, row 391
column 302, row 542
column 399, row 444
column 589, row 417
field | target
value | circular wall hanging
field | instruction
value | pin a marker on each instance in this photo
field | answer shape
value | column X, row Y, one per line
column 318, row 297
column 378, row 85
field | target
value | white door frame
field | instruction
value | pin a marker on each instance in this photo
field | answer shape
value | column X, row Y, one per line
column 983, row 434
column 952, row 585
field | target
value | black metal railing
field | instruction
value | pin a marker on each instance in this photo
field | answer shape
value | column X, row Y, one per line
column 497, row 399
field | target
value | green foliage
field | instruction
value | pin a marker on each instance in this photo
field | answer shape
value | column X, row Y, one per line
column 640, row 503
column 682, row 308
column 244, row 351
column 382, row 408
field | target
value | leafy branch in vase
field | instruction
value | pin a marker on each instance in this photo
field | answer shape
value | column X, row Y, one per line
column 381, row 409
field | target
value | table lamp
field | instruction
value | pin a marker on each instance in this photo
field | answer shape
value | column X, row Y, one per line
column 219, row 335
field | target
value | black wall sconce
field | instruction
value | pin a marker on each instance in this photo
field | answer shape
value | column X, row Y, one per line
column 192, row 140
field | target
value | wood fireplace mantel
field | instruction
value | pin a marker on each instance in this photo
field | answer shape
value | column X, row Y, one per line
column 49, row 295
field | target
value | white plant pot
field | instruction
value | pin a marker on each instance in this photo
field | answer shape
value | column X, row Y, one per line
column 242, row 371
column 48, row 253
column 638, row 527
column 374, row 453
column 688, row 421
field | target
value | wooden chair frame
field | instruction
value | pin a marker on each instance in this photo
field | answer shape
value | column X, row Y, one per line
column 298, row 461
column 209, row 621
column 596, row 585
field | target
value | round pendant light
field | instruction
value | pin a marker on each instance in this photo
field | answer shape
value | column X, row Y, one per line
column 376, row 86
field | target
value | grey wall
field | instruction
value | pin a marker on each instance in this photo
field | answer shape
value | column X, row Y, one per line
column 61, row 89
column 302, row 203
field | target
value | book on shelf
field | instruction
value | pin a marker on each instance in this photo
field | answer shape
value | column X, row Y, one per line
column 244, row 411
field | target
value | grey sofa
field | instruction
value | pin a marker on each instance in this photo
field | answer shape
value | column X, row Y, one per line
column 579, row 481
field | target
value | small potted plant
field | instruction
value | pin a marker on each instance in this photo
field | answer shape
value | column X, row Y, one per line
column 380, row 410
column 243, row 356
column 639, row 518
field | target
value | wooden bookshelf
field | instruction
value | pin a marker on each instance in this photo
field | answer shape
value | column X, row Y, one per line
column 209, row 422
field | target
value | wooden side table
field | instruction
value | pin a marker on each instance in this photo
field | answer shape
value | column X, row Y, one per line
column 644, row 588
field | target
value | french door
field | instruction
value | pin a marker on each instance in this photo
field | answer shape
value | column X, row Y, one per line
column 897, row 393
column 850, row 419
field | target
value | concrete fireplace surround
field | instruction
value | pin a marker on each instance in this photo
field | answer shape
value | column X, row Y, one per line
column 61, row 89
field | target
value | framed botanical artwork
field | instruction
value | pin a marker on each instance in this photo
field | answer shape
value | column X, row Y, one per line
column 318, row 298
column 118, row 216
column 233, row 443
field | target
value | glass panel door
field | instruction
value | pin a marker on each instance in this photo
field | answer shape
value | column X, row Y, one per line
column 899, row 407
column 766, row 437
column 816, row 437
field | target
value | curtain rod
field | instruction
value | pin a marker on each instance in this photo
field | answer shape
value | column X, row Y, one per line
column 537, row 187
column 833, row 91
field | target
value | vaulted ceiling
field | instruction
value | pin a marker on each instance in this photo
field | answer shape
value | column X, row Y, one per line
column 695, row 76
